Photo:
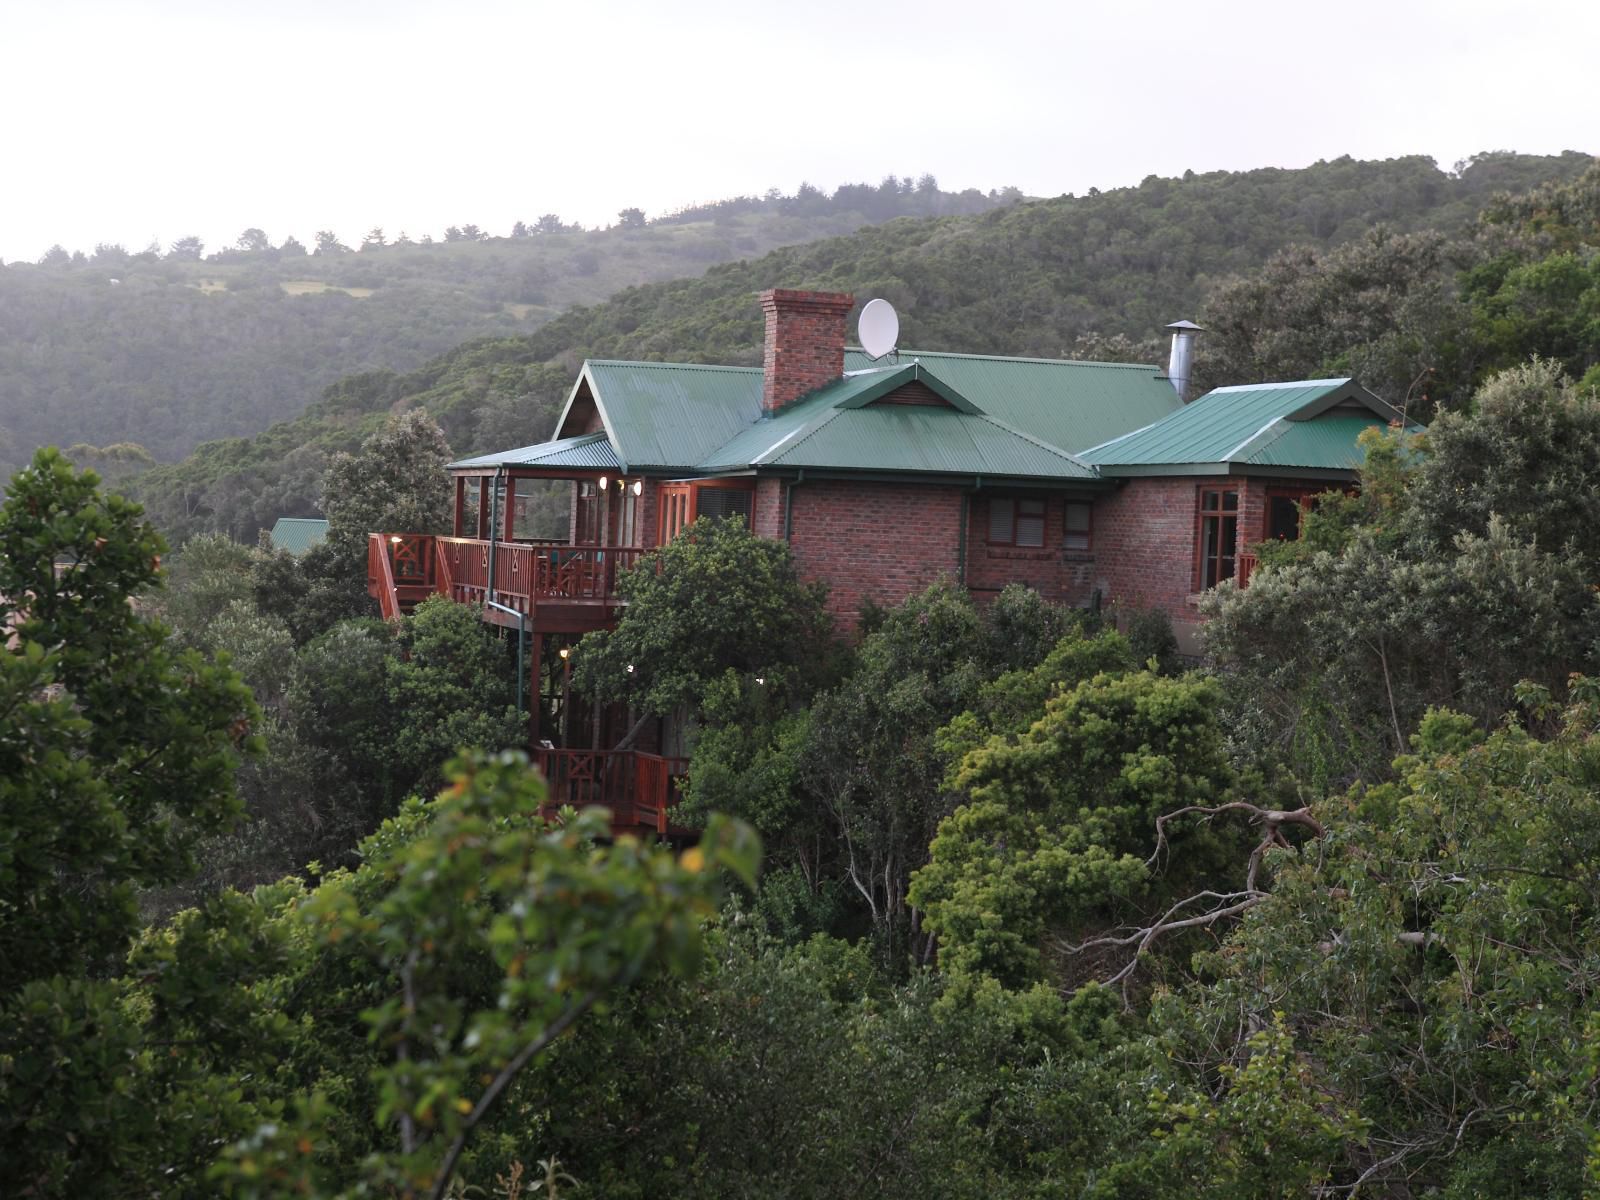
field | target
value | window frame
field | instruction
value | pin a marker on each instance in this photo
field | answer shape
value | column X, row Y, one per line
column 1016, row 503
column 1086, row 533
column 1220, row 515
column 1303, row 497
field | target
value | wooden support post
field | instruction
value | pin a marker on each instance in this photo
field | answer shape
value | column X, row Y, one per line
column 536, row 691
column 508, row 520
column 461, row 500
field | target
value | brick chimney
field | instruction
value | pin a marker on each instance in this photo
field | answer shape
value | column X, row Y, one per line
column 805, row 343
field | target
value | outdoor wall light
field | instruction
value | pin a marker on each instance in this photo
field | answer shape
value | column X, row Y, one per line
column 630, row 668
column 604, row 480
column 395, row 539
column 638, row 487
column 565, row 650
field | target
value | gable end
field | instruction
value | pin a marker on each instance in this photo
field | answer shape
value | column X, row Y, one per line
column 915, row 393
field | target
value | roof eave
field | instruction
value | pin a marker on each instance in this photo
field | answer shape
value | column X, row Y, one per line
column 1157, row 470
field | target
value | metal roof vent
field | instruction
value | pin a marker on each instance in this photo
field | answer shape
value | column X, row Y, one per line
column 1180, row 363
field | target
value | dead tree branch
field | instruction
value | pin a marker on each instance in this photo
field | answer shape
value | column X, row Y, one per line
column 1223, row 905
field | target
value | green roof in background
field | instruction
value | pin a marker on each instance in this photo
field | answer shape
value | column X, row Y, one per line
column 298, row 534
column 591, row 451
column 1068, row 404
column 839, row 428
column 1310, row 424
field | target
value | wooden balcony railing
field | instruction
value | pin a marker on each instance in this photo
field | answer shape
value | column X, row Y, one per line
column 638, row 788
column 380, row 578
column 528, row 572
column 403, row 568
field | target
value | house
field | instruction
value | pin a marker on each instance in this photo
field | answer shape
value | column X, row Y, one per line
column 1094, row 483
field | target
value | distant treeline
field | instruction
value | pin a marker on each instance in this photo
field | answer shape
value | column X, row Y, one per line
column 894, row 196
column 168, row 347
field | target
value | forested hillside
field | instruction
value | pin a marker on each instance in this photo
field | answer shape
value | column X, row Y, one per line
column 168, row 347
column 1040, row 910
column 1091, row 276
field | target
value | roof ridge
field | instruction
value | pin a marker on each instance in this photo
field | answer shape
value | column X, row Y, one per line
column 676, row 366
column 1018, row 358
column 1228, row 457
column 1285, row 383
column 1124, row 436
column 806, row 432
column 1028, row 437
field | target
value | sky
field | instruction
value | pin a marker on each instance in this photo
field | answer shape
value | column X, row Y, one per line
column 132, row 121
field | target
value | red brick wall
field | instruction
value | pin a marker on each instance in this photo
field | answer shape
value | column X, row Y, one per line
column 767, row 519
column 804, row 346
column 1061, row 576
column 875, row 541
column 1145, row 539
column 1146, row 536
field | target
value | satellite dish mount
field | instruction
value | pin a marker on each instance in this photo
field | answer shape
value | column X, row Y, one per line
column 879, row 329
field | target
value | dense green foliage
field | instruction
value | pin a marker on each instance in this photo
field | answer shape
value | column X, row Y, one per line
column 117, row 754
column 714, row 601
column 1092, row 276
column 1457, row 574
column 1423, row 319
column 1041, row 913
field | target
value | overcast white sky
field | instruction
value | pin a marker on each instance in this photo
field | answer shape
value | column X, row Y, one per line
column 132, row 120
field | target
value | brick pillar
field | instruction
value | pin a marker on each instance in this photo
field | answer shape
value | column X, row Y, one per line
column 804, row 345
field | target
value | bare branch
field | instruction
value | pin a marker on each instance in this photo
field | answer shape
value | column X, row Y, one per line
column 1228, row 904
column 1223, row 904
column 1272, row 820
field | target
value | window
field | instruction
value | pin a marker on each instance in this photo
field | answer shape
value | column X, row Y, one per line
column 682, row 503
column 628, row 517
column 1016, row 522
column 586, row 527
column 1284, row 508
column 723, row 503
column 1219, row 534
column 1079, row 533
column 471, row 489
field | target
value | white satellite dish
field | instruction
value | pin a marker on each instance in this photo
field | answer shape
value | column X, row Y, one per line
column 878, row 328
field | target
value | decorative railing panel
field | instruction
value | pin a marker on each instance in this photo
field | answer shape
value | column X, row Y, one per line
column 526, row 572
column 638, row 788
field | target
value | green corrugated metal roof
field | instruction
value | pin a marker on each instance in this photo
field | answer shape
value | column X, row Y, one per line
column 591, row 451
column 1013, row 417
column 672, row 414
column 1328, row 441
column 838, row 428
column 1068, row 404
column 298, row 534
column 912, row 438
column 1311, row 424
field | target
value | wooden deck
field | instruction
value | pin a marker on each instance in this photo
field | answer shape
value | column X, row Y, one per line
column 559, row 587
